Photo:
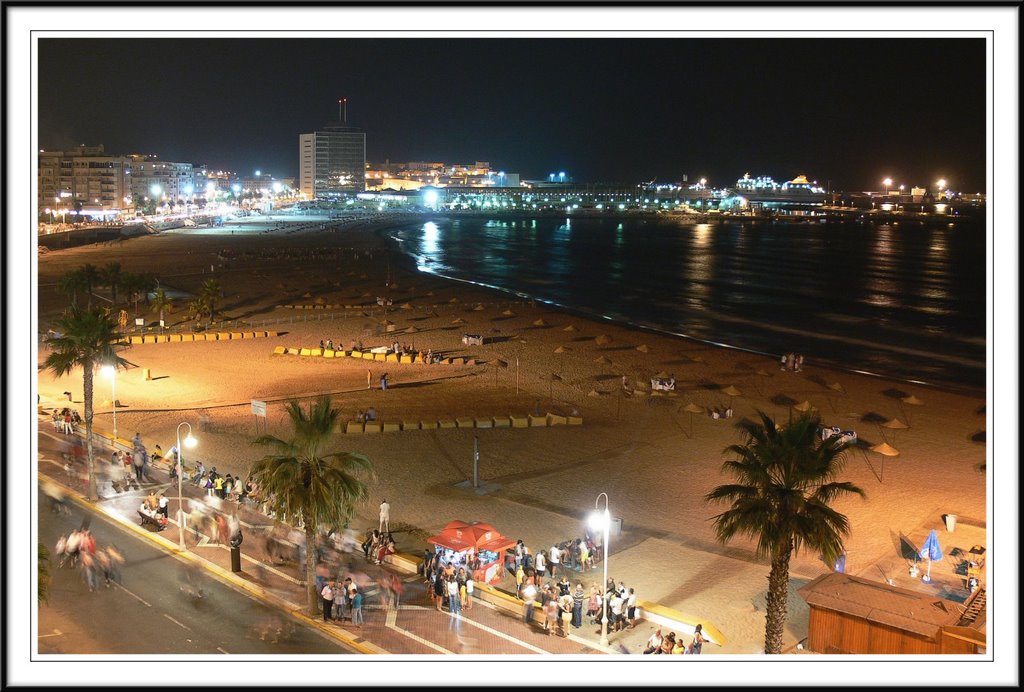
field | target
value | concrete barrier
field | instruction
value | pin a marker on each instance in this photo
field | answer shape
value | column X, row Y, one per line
column 575, row 420
column 328, row 353
column 372, row 427
column 554, row 419
column 408, row 360
column 223, row 336
column 235, row 335
column 134, row 340
column 410, row 425
column 353, row 427
column 380, row 356
column 294, row 351
column 390, row 426
column 428, row 424
column 149, row 339
column 464, row 422
column 445, row 423
column 391, row 358
column 484, row 422
column 679, row 622
column 502, row 422
column 175, row 337
column 279, row 350
column 519, row 421
column 404, row 562
column 538, row 421
column 188, row 337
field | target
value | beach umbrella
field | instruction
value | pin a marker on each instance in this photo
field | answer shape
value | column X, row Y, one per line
column 458, row 320
column 642, row 348
column 562, row 349
column 508, row 313
column 454, row 300
column 909, row 401
column 731, row 391
column 885, row 450
column 602, row 359
column 894, row 424
column 698, row 359
column 570, row 328
column 478, row 307
column 931, row 550
column 540, row 323
column 603, row 340
column 406, row 306
column 692, row 408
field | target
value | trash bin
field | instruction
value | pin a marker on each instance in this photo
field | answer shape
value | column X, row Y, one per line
column 950, row 522
column 236, row 560
column 616, row 527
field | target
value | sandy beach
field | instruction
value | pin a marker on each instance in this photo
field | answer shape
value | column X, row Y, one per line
column 653, row 458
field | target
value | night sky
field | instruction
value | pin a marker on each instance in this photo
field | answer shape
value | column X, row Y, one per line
column 851, row 111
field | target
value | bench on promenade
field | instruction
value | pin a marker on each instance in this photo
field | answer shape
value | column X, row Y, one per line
column 404, row 562
column 157, row 522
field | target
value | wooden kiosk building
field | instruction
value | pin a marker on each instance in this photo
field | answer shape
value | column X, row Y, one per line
column 851, row 615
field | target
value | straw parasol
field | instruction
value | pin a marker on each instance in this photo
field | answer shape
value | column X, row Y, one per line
column 569, row 328
column 894, row 424
column 692, row 408
column 454, row 300
column 479, row 307
column 458, row 320
column 885, row 450
column 540, row 323
column 603, row 340
column 642, row 348
column 603, row 359
column 909, row 401
column 731, row 391
column 562, row 349
column 508, row 313
column 406, row 306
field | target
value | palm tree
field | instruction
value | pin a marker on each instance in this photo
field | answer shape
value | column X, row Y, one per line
column 210, row 294
column 72, row 283
column 88, row 338
column 90, row 277
column 786, row 483
column 138, row 287
column 43, row 569
column 112, row 277
column 161, row 303
column 299, row 479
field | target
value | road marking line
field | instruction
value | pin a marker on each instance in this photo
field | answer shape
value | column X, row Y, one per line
column 56, row 633
column 221, row 650
column 177, row 623
column 131, row 594
column 502, row 635
column 392, row 618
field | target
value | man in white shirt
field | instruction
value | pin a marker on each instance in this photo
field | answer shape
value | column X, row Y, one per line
column 615, row 617
column 554, row 559
column 385, row 517
column 327, row 594
column 631, row 608
column 540, row 564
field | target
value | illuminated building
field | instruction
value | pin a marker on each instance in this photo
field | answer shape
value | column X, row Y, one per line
column 85, row 180
column 332, row 160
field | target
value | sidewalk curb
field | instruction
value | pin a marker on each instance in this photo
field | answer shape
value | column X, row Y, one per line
column 227, row 577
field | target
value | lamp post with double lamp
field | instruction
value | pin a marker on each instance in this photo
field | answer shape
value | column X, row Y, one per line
column 190, row 442
column 111, row 372
column 602, row 520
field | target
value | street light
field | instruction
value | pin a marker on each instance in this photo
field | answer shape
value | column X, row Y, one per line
column 190, row 442
column 602, row 520
column 111, row 372
column 887, row 182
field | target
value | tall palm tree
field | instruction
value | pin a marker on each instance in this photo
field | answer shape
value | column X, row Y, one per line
column 210, row 295
column 112, row 277
column 300, row 479
column 161, row 303
column 786, row 483
column 43, row 570
column 88, row 339
column 72, row 283
column 91, row 278
column 138, row 287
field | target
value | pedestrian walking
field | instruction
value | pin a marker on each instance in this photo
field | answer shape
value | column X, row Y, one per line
column 540, row 564
column 369, row 379
column 698, row 640
column 384, row 382
column 385, row 517
column 453, row 596
column 529, row 594
column 578, row 598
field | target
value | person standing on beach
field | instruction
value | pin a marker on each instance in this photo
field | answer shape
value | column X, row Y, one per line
column 385, row 517
column 384, row 382
column 369, row 379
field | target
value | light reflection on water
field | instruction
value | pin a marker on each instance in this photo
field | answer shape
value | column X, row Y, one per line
column 905, row 301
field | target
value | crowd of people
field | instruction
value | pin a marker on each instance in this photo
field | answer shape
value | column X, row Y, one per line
column 794, row 362
column 673, row 644
column 78, row 549
column 66, row 420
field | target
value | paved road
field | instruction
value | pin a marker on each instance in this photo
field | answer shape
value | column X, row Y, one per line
column 150, row 614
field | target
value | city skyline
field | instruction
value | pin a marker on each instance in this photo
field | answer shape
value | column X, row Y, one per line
column 846, row 111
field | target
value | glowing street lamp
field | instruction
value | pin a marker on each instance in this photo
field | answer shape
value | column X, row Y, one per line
column 942, row 184
column 602, row 520
column 190, row 442
column 111, row 372
column 887, row 182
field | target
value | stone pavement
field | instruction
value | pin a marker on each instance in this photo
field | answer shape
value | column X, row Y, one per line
column 414, row 627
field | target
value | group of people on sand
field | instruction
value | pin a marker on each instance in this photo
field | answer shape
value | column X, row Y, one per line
column 794, row 362
column 672, row 644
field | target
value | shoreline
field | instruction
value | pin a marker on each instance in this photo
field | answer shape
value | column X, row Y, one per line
column 654, row 460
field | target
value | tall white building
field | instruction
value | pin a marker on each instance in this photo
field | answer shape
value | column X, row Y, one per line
column 332, row 161
column 162, row 180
